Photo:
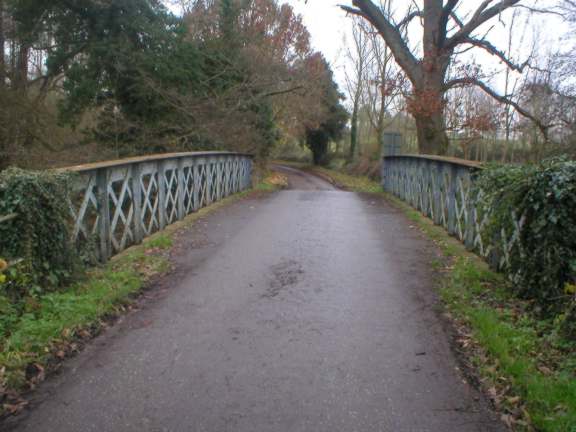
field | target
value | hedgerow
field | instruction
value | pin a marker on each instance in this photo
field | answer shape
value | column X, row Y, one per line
column 542, row 263
column 38, row 238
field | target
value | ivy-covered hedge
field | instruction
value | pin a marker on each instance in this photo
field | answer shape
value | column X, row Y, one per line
column 543, row 262
column 39, row 237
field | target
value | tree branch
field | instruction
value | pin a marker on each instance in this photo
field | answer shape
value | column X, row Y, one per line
column 353, row 11
column 482, row 14
column 281, row 92
column 391, row 34
column 408, row 18
column 491, row 49
column 457, row 20
column 469, row 81
column 447, row 12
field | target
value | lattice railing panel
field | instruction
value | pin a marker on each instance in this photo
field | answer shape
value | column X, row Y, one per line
column 442, row 189
column 213, row 182
column 121, row 208
column 84, row 209
column 203, row 186
column 150, row 201
column 188, row 187
column 172, row 190
column 116, row 204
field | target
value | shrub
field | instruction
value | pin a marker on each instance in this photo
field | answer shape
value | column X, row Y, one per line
column 40, row 235
column 542, row 262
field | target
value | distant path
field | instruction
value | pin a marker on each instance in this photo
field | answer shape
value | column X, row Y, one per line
column 300, row 180
column 306, row 311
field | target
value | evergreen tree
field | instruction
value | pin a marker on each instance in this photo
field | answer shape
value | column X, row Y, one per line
column 332, row 127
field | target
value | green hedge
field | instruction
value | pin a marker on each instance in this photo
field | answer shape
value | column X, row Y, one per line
column 40, row 234
column 543, row 262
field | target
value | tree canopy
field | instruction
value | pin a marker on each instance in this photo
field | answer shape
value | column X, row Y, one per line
column 133, row 77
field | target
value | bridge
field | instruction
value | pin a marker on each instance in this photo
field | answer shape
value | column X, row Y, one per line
column 310, row 309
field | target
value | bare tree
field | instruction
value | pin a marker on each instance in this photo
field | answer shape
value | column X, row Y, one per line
column 386, row 82
column 359, row 56
column 445, row 30
column 511, row 85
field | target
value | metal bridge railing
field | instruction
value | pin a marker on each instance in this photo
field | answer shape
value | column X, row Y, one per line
column 441, row 188
column 116, row 204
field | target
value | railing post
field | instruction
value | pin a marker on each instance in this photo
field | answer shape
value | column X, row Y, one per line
column 228, row 169
column 242, row 172
column 219, row 177
column 103, row 214
column 451, row 199
column 248, row 172
column 470, row 209
column 230, row 174
column 436, row 193
column 161, row 169
column 210, row 170
column 137, row 201
column 196, row 189
column 181, row 189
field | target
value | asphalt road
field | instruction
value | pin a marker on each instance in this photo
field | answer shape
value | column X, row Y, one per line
column 311, row 310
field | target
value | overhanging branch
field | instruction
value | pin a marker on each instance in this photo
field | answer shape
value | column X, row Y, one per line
column 353, row 11
column 491, row 49
column 469, row 81
column 482, row 14
column 391, row 34
column 408, row 19
column 282, row 92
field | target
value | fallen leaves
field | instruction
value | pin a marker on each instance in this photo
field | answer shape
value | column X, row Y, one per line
column 277, row 179
column 15, row 408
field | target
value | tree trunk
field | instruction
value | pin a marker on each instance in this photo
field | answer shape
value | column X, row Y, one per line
column 432, row 138
column 354, row 131
column 22, row 66
column 381, row 120
column 2, row 47
column 320, row 153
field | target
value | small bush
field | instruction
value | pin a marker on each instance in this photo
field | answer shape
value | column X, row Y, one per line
column 40, row 235
column 543, row 261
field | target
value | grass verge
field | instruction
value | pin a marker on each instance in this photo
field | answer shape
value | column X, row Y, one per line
column 57, row 325
column 522, row 362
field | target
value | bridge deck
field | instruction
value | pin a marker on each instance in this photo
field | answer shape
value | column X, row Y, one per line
column 309, row 310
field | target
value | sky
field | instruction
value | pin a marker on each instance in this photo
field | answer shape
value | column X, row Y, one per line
column 330, row 29
column 328, row 26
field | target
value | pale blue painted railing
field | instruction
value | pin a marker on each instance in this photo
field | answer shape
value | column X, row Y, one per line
column 441, row 188
column 119, row 203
